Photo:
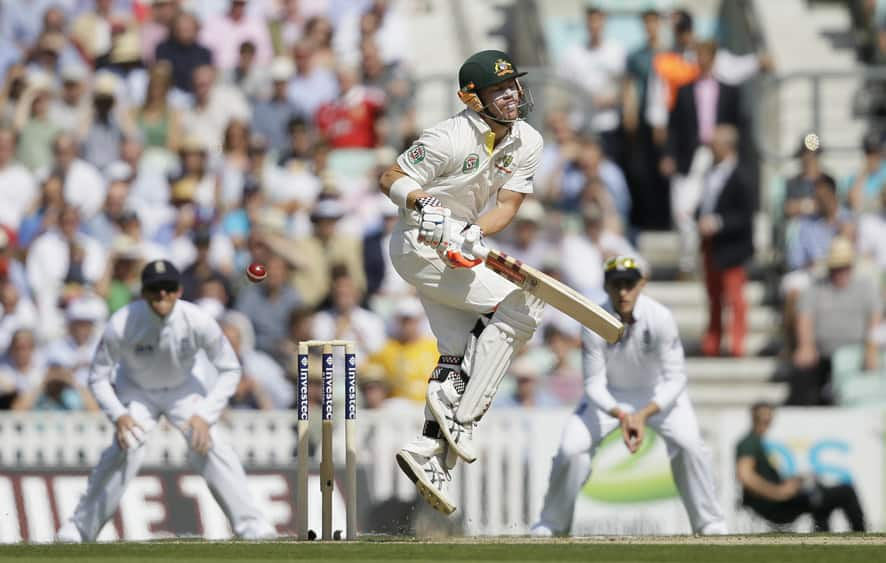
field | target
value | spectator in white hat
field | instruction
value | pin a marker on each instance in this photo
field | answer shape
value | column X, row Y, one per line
column 84, row 186
column 61, row 263
column 85, row 316
column 315, row 256
column 526, row 240
column 58, row 390
column 527, row 389
column 263, row 384
column 18, row 190
column 409, row 353
column 101, row 142
column 271, row 117
column 35, row 128
column 215, row 105
column 71, row 109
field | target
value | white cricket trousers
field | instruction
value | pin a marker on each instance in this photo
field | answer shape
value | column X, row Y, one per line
column 453, row 298
column 220, row 466
column 691, row 460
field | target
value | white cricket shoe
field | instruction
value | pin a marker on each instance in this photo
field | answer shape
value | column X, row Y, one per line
column 539, row 530
column 430, row 477
column 69, row 533
column 257, row 530
column 442, row 401
column 714, row 529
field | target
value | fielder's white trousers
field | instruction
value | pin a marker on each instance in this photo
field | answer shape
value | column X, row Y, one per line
column 220, row 466
column 685, row 197
column 691, row 460
column 453, row 298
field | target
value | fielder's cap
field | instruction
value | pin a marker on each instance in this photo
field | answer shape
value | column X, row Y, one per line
column 623, row 268
column 330, row 208
column 841, row 253
column 159, row 272
column 486, row 68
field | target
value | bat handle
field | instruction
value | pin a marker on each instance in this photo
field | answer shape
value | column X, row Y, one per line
column 475, row 250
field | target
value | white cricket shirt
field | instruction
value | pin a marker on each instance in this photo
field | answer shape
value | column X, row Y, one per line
column 455, row 161
column 648, row 358
column 158, row 353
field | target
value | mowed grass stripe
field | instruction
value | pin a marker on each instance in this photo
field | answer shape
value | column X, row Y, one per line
column 436, row 552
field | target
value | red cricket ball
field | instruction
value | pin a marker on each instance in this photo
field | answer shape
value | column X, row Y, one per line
column 256, row 272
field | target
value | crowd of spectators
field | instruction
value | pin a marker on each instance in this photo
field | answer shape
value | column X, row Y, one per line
column 214, row 133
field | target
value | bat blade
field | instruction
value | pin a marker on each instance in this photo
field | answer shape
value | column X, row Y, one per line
column 557, row 294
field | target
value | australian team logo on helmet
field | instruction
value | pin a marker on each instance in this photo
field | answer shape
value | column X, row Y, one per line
column 488, row 68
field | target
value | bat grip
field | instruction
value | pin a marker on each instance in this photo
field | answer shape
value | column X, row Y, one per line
column 469, row 250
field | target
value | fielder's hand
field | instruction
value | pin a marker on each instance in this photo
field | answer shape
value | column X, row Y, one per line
column 633, row 426
column 199, row 438
column 129, row 433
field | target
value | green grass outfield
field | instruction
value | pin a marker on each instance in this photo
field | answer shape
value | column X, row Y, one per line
column 739, row 549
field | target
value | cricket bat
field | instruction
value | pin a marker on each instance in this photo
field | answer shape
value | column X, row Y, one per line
column 551, row 291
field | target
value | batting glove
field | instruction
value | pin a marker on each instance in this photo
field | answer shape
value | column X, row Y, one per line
column 434, row 225
column 463, row 256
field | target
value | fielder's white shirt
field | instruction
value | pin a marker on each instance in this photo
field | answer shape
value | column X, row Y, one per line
column 648, row 358
column 455, row 161
column 158, row 353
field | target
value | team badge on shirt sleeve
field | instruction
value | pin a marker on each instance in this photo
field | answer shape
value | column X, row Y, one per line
column 471, row 162
column 416, row 154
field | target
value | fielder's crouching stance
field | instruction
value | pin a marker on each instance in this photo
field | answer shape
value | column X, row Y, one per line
column 442, row 184
column 152, row 344
column 638, row 381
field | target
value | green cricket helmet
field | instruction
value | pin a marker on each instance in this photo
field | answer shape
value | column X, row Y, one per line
column 488, row 68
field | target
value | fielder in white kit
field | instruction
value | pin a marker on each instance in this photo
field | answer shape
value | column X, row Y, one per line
column 443, row 184
column 638, row 381
column 152, row 345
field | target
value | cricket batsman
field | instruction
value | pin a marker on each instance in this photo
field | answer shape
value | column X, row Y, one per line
column 442, row 185
column 152, row 344
column 636, row 382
